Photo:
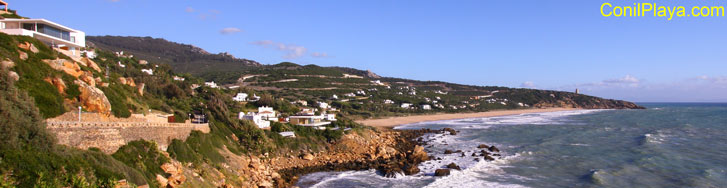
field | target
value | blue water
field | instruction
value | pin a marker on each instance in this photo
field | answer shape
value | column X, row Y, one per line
column 667, row 145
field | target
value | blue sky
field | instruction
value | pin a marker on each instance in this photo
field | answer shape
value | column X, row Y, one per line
column 559, row 45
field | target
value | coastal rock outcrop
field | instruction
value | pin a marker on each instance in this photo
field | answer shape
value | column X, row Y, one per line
column 58, row 83
column 66, row 66
column 93, row 99
column 28, row 46
column 441, row 172
column 91, row 64
column 453, row 166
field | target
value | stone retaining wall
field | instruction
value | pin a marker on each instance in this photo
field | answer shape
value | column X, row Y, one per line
column 109, row 136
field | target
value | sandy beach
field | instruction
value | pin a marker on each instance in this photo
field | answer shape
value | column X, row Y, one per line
column 392, row 122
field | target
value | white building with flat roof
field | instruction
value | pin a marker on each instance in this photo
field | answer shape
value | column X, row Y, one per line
column 240, row 97
column 255, row 118
column 51, row 33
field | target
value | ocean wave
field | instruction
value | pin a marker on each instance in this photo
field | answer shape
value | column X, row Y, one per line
column 541, row 118
column 475, row 176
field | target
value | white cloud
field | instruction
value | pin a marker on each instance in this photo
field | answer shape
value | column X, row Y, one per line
column 291, row 51
column 230, row 30
column 210, row 15
column 528, row 84
column 693, row 89
column 628, row 79
column 189, row 9
column 317, row 54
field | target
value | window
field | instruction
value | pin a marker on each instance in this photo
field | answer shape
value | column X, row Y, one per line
column 29, row 26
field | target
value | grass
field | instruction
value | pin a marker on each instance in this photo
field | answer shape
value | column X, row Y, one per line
column 144, row 156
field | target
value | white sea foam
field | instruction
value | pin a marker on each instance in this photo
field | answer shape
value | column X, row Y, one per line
column 474, row 176
column 487, row 122
column 473, row 173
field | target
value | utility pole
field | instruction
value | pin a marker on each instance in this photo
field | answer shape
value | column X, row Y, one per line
column 79, row 114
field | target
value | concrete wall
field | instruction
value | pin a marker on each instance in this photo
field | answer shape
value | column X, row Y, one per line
column 109, row 136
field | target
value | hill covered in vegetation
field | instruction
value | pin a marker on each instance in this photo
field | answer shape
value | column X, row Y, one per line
column 363, row 94
column 181, row 57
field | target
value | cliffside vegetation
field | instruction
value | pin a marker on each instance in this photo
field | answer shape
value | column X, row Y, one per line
column 29, row 155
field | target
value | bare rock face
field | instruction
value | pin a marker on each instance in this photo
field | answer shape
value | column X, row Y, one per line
column 385, row 151
column 66, row 66
column 58, row 83
column 130, row 82
column 140, row 88
column 28, row 46
column 308, row 157
column 7, row 64
column 177, row 174
column 93, row 99
column 91, row 64
column 88, row 78
column 14, row 75
column 23, row 55
column 122, row 80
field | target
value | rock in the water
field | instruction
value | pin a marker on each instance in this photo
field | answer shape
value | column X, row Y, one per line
column 453, row 166
column 493, row 149
column 418, row 155
column 450, row 130
column 489, row 158
column 410, row 169
column 481, row 146
column 441, row 172
column 448, row 151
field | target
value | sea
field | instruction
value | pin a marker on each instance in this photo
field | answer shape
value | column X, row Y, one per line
column 666, row 145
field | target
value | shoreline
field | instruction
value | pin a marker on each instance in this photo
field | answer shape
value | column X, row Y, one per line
column 392, row 122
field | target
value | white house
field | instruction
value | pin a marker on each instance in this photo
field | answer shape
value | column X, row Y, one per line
column 266, row 112
column 349, row 95
column 121, row 65
column 426, row 107
column 310, row 121
column 387, row 101
column 307, row 112
column 177, row 78
column 255, row 118
column 240, row 97
column 406, row 105
column 53, row 34
column 334, row 96
column 211, row 84
column 302, row 102
column 148, row 71
column 323, row 105
column 360, row 92
column 329, row 117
